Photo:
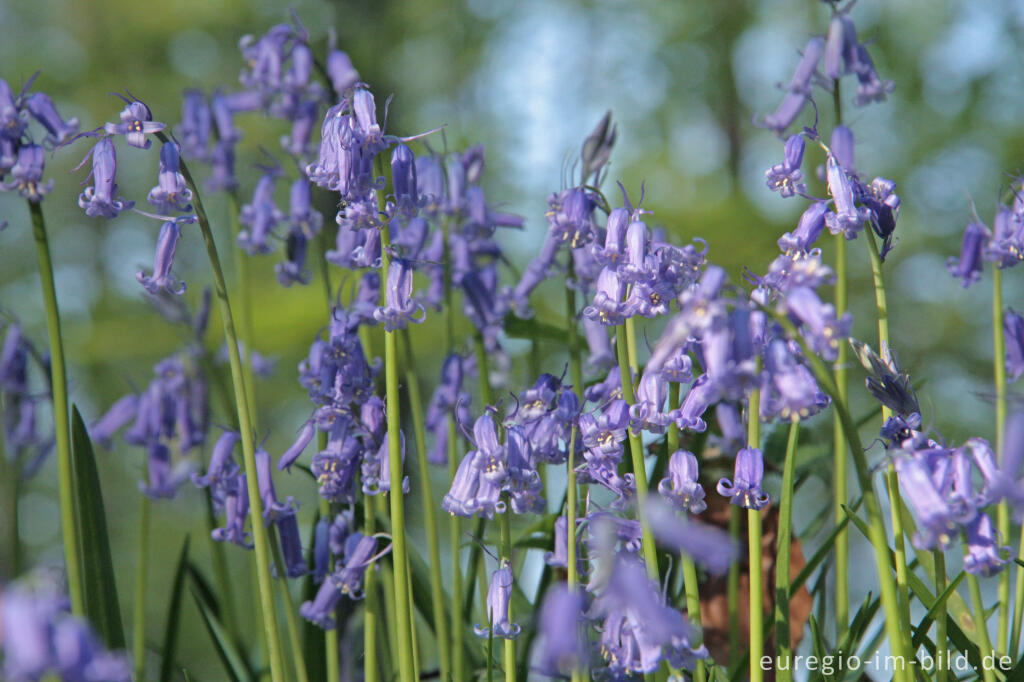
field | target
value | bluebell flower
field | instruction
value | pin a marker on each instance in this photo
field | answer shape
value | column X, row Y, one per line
column 400, row 307
column 27, row 174
column 881, row 200
column 709, row 546
column 498, row 597
column 680, row 486
column 294, row 270
column 810, row 226
column 968, row 268
column 163, row 261
column 870, row 86
column 822, row 330
column 790, row 391
column 222, row 166
column 799, row 88
column 44, row 111
column 340, row 70
column 100, row 200
column 1013, row 333
column 608, row 307
column 845, row 218
column 937, row 521
column 163, row 478
column 222, row 471
column 648, row 412
column 744, row 489
column 561, row 646
column 524, row 485
column 13, row 119
column 273, row 508
column 615, row 238
column 842, row 145
column 559, row 556
column 171, row 193
column 236, row 513
column 606, row 432
column 196, row 125
column 336, row 466
column 702, row 394
column 638, row 629
column 260, row 216
column 786, row 178
column 42, row 640
column 359, row 553
column 985, row 556
column 136, row 122
column 1006, row 247
column 886, row 381
column 840, row 46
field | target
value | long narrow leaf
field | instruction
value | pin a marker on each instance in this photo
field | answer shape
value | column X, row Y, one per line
column 174, row 615
column 102, row 606
column 234, row 662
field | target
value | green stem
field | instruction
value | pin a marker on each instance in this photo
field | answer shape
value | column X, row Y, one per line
column 841, row 457
column 690, row 584
column 483, row 379
column 141, row 590
column 941, row 651
column 783, row 647
column 403, row 612
column 244, row 292
column 371, row 603
column 509, row 649
column 429, row 513
column 732, row 590
column 259, row 532
column 291, row 623
column 984, row 643
column 59, row 388
column 330, row 636
column 636, row 450
column 891, row 480
column 876, row 527
column 1003, row 509
column 756, row 570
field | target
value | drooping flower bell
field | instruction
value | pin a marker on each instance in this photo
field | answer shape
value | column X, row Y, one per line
column 561, row 646
column 100, row 200
column 43, row 110
column 163, row 261
column 968, row 267
column 498, row 597
column 260, row 216
column 27, row 174
column 400, row 307
column 171, row 192
column 680, row 486
column 786, row 178
column 744, row 490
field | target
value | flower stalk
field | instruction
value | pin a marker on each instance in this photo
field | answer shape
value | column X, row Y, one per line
column 59, row 389
column 261, row 547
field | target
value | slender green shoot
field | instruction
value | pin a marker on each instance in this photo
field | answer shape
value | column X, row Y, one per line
column 265, row 583
column 783, row 645
column 61, row 425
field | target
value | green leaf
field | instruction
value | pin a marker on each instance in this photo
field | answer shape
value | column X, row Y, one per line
column 820, row 646
column 174, row 615
column 99, row 588
column 921, row 632
column 518, row 328
column 234, row 662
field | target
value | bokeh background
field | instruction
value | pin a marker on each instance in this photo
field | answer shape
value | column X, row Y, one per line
column 529, row 79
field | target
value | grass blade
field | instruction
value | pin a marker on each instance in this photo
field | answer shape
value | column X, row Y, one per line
column 99, row 588
column 234, row 662
column 174, row 615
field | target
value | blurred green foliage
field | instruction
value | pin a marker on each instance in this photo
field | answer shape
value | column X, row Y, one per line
column 529, row 79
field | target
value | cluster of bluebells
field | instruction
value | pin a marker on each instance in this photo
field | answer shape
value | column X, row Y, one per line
column 1002, row 245
column 854, row 202
column 947, row 487
column 40, row 639
column 170, row 418
column 721, row 348
column 26, row 445
column 23, row 147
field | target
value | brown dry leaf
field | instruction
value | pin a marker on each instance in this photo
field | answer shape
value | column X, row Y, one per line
column 714, row 610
